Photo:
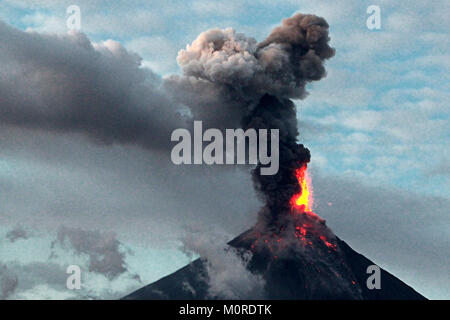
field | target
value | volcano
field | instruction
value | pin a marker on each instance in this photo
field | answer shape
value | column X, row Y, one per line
column 290, row 247
column 306, row 266
column 296, row 255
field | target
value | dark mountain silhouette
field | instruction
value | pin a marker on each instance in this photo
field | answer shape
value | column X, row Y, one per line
column 311, row 268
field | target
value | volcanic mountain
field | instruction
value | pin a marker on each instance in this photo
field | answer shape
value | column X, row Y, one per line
column 253, row 86
column 301, row 260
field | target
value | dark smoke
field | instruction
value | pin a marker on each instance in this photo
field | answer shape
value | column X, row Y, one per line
column 65, row 83
column 277, row 190
column 231, row 80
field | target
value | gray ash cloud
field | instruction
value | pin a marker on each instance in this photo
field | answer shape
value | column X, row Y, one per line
column 231, row 80
column 67, row 84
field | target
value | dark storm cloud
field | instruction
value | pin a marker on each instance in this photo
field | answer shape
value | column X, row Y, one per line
column 65, row 83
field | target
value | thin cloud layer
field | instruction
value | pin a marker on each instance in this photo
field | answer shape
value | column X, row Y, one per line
column 18, row 232
column 8, row 282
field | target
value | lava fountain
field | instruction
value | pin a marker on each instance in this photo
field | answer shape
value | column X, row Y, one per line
column 304, row 200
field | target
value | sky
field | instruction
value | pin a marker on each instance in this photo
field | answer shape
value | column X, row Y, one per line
column 377, row 127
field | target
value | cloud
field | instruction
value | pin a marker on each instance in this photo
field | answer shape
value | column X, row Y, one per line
column 47, row 281
column 399, row 230
column 43, row 274
column 42, row 22
column 227, row 275
column 442, row 168
column 217, row 8
column 159, row 52
column 362, row 120
column 65, row 83
column 103, row 250
column 120, row 189
column 140, row 194
column 145, row 21
column 18, row 232
column 8, row 282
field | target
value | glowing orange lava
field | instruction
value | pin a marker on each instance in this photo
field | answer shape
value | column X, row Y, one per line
column 304, row 200
column 309, row 227
column 327, row 243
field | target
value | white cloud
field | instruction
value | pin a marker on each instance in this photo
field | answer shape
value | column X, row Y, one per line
column 227, row 274
column 218, row 8
column 159, row 53
column 365, row 120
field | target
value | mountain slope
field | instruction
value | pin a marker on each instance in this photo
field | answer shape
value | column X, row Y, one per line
column 320, row 270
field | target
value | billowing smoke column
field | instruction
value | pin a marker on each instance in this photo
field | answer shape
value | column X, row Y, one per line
column 229, row 78
column 277, row 190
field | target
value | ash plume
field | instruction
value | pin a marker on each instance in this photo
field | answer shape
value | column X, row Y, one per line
column 67, row 84
column 231, row 80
